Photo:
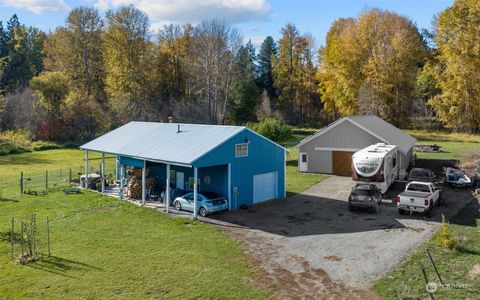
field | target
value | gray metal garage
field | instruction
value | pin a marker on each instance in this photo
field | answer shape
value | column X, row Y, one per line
column 330, row 149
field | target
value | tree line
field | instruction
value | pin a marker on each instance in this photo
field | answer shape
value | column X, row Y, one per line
column 96, row 73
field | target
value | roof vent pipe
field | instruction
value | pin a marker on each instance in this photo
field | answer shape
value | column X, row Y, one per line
column 170, row 119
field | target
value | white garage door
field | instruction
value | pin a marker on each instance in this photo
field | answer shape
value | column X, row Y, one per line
column 264, row 187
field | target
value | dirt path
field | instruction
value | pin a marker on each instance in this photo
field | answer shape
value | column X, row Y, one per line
column 300, row 280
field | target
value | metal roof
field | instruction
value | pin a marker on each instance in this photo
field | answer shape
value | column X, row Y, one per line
column 376, row 127
column 162, row 142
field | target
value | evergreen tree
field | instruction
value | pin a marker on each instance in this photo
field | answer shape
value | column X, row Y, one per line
column 267, row 50
column 245, row 95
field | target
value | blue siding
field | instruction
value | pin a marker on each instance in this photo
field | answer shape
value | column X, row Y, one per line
column 263, row 157
column 215, row 182
column 128, row 161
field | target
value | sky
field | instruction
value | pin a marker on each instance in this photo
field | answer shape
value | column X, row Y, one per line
column 255, row 19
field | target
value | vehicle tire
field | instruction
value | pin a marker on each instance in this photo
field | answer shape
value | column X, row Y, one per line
column 429, row 211
column 177, row 205
column 202, row 211
column 350, row 207
column 401, row 211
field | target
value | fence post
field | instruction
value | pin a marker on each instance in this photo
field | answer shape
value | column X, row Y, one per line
column 12, row 237
column 46, row 179
column 70, row 175
column 48, row 237
column 21, row 241
column 21, row 182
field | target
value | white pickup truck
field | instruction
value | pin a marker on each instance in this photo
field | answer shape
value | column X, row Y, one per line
column 419, row 197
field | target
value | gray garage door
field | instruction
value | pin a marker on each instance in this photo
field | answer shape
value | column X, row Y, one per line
column 264, row 187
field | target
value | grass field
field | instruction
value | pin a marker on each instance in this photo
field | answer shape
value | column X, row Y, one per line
column 104, row 248
column 459, row 268
column 298, row 182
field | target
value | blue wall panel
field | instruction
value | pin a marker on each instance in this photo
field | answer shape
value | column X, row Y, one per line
column 128, row 161
column 263, row 157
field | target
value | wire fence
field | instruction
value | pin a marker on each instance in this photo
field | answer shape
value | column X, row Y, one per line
column 42, row 181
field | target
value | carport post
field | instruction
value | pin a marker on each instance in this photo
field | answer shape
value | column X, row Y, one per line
column 144, row 175
column 102, row 167
column 122, row 176
column 229, row 193
column 86, row 169
column 195, row 171
column 167, row 190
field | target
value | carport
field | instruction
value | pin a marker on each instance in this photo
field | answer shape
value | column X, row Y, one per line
column 233, row 161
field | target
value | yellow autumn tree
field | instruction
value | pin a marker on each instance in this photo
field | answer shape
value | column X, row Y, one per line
column 369, row 65
column 458, row 41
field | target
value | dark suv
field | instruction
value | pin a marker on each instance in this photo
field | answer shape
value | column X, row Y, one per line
column 365, row 196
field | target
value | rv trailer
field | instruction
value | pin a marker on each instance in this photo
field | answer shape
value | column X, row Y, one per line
column 376, row 164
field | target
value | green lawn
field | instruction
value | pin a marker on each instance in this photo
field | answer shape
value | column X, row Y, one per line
column 459, row 267
column 298, row 182
column 39, row 161
column 450, row 150
column 105, row 248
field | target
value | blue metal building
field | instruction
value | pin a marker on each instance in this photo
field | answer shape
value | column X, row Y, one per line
column 231, row 160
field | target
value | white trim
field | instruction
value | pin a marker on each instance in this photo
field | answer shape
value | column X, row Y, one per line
column 102, row 167
column 336, row 123
column 302, row 166
column 144, row 184
column 336, row 149
column 267, row 139
column 86, row 169
column 241, row 145
column 320, row 132
column 367, row 130
column 167, row 190
column 229, row 186
column 195, row 192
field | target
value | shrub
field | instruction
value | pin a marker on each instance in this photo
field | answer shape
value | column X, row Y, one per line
column 272, row 129
column 42, row 145
column 13, row 142
column 444, row 238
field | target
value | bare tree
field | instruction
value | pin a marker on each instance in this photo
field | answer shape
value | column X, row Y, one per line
column 213, row 54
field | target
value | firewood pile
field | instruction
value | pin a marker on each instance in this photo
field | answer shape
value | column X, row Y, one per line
column 134, row 186
column 426, row 148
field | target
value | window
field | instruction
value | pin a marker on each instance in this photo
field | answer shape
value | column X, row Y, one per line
column 241, row 150
column 190, row 183
column 304, row 158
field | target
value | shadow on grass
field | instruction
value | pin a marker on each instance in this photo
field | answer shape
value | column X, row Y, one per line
column 23, row 159
column 465, row 250
column 8, row 200
column 292, row 163
column 60, row 266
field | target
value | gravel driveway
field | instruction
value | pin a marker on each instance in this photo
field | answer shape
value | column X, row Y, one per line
column 310, row 244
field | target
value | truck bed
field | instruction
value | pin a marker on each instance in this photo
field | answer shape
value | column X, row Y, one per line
column 414, row 194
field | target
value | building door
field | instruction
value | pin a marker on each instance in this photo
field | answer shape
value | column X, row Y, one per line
column 303, row 162
column 179, row 180
column 342, row 163
column 264, row 187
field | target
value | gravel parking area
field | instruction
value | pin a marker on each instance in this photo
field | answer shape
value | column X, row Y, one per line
column 310, row 244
